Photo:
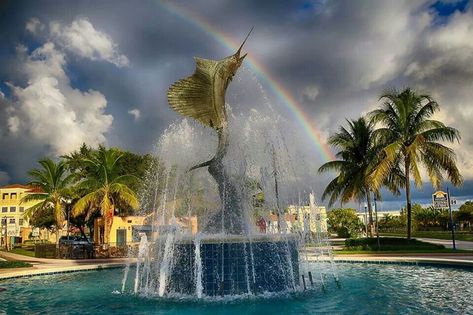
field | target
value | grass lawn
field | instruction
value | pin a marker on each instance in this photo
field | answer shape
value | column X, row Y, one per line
column 392, row 245
column 443, row 235
column 400, row 251
column 21, row 251
column 14, row 264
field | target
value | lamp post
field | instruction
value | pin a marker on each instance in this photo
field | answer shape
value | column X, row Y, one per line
column 366, row 220
column 451, row 219
column 376, row 218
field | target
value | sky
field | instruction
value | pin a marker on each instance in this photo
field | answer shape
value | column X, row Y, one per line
column 97, row 72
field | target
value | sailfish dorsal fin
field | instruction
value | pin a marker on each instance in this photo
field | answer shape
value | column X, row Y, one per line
column 193, row 96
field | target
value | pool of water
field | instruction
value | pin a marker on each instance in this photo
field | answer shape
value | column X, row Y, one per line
column 364, row 289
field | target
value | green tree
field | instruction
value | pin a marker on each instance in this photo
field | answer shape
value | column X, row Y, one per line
column 106, row 187
column 51, row 188
column 465, row 213
column 129, row 163
column 357, row 158
column 413, row 139
column 344, row 222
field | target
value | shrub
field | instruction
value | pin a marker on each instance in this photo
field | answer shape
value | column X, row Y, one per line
column 344, row 222
column 389, row 244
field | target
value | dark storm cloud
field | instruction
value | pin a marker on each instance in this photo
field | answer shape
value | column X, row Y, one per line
column 334, row 56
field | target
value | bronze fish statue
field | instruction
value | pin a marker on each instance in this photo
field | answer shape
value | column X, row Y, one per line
column 202, row 95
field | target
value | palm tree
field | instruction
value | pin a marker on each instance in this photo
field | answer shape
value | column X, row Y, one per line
column 413, row 139
column 357, row 158
column 105, row 187
column 51, row 187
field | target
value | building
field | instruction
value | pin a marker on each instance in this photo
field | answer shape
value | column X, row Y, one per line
column 364, row 217
column 313, row 218
column 13, row 223
column 128, row 230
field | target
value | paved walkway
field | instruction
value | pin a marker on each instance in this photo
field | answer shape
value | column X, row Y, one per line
column 467, row 245
column 45, row 266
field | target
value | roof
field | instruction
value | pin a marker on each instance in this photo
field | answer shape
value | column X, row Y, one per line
column 15, row 186
column 20, row 186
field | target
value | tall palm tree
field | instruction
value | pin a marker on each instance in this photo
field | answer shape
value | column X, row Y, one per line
column 357, row 158
column 51, row 187
column 105, row 187
column 413, row 139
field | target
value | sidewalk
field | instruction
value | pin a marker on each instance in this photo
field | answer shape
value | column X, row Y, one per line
column 467, row 245
column 46, row 266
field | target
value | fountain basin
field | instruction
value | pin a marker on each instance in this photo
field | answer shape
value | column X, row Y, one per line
column 235, row 265
column 365, row 289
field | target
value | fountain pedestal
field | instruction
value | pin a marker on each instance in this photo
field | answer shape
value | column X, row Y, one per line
column 234, row 265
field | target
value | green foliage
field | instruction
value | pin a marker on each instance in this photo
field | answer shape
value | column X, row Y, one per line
column 389, row 244
column 465, row 213
column 357, row 152
column 51, row 185
column 129, row 163
column 14, row 264
column 411, row 140
column 43, row 218
column 357, row 158
column 344, row 222
column 106, row 187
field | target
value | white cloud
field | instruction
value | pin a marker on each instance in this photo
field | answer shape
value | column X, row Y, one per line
column 82, row 39
column 34, row 25
column 49, row 110
column 135, row 112
column 443, row 65
column 13, row 124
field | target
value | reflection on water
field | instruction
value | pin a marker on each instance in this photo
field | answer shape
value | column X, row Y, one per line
column 365, row 289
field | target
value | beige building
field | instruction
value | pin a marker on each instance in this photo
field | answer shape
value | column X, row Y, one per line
column 309, row 218
column 12, row 210
column 128, row 230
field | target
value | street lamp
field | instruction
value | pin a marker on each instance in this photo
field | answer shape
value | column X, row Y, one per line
column 376, row 218
column 366, row 219
column 451, row 219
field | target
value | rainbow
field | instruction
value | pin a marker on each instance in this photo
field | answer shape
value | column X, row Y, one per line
column 278, row 89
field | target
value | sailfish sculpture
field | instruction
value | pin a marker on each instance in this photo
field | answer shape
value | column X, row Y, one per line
column 202, row 97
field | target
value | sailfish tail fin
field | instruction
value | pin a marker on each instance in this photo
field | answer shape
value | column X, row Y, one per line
column 200, row 165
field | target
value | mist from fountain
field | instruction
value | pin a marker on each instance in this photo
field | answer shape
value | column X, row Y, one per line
column 173, row 259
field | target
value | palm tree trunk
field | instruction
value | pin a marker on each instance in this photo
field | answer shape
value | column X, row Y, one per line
column 370, row 214
column 408, row 200
column 107, row 227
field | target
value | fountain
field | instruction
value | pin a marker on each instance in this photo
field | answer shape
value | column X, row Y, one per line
column 204, row 240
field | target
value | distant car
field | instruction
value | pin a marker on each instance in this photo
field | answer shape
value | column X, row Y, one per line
column 75, row 247
column 74, row 240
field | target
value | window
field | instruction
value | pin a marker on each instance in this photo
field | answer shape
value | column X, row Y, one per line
column 12, row 209
column 20, row 222
column 4, row 209
column 12, row 221
column 22, row 209
column 4, row 196
column 13, row 196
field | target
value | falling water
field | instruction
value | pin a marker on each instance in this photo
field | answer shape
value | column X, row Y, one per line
column 198, row 267
column 188, row 251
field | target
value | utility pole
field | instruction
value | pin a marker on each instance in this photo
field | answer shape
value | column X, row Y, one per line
column 451, row 219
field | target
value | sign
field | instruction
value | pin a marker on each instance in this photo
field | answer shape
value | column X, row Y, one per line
column 440, row 200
